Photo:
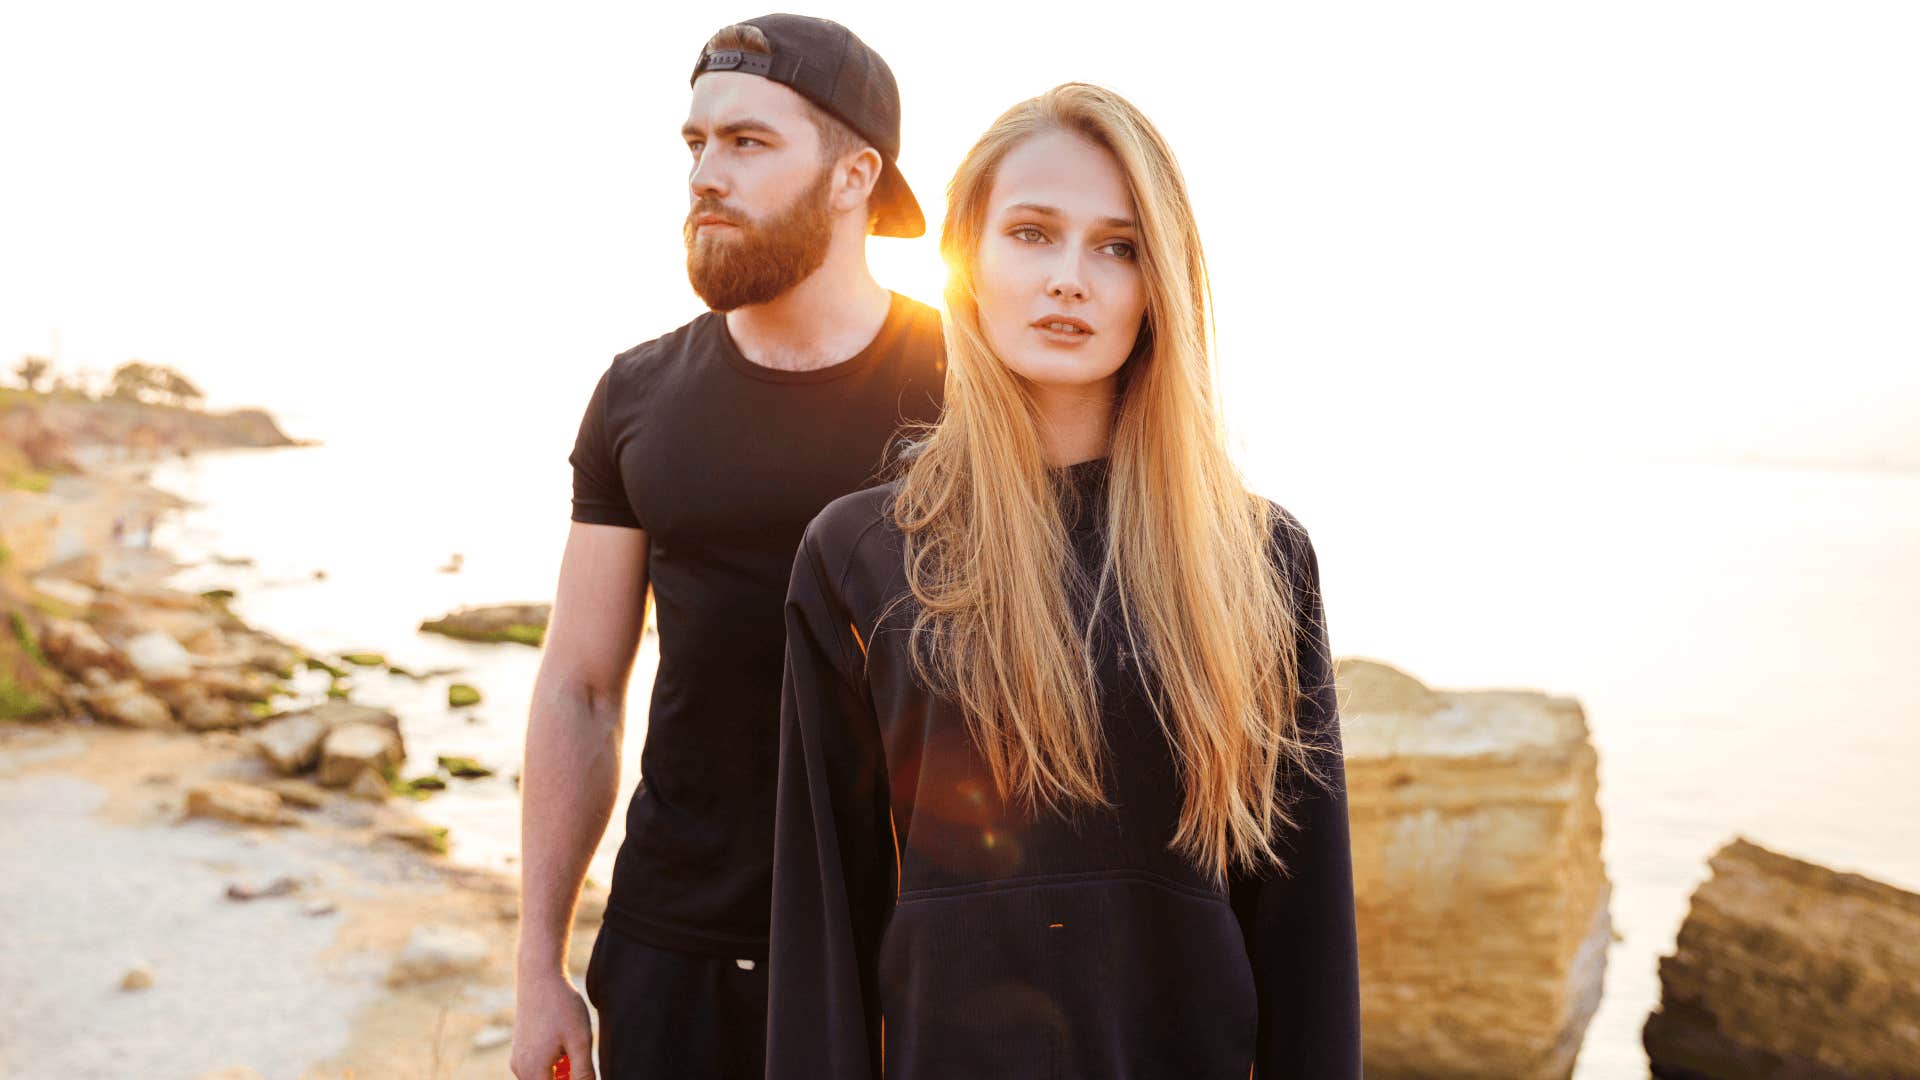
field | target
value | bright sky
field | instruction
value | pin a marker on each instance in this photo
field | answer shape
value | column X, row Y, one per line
column 1667, row 227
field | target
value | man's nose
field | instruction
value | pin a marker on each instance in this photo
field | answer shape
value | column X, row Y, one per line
column 707, row 177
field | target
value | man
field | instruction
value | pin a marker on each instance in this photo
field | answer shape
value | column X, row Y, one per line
column 700, row 459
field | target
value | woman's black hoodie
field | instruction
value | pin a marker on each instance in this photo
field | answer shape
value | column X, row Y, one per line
column 920, row 921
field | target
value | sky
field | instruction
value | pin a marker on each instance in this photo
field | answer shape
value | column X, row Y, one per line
column 1658, row 229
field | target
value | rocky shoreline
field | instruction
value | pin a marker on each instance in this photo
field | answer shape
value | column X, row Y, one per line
column 212, row 865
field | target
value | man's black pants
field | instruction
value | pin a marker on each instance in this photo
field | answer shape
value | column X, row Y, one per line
column 667, row 1014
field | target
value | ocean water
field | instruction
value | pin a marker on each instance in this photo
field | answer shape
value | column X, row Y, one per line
column 1742, row 638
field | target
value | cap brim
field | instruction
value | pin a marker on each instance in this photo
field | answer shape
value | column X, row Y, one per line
column 896, row 211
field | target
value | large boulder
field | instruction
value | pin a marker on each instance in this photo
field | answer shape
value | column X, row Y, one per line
column 1480, row 892
column 1786, row 968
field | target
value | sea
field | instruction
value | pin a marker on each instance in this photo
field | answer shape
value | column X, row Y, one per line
column 1743, row 638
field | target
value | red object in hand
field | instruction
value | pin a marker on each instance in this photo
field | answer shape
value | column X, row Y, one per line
column 563, row 1069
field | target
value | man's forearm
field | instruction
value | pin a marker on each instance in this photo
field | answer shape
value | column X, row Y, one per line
column 569, row 784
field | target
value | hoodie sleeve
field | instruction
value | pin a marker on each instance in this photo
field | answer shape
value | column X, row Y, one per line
column 1299, row 926
column 833, row 858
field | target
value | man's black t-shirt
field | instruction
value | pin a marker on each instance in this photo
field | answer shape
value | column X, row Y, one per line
column 723, row 462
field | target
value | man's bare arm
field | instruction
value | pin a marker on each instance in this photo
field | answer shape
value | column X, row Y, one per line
column 570, row 781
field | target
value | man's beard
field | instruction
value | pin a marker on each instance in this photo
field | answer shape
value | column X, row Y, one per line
column 766, row 258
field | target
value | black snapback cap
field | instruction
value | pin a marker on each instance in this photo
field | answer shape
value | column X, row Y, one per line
column 825, row 63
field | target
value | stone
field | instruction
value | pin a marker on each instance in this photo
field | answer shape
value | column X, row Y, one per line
column 127, row 704
column 352, row 748
column 157, row 657
column 228, row 800
column 525, row 624
column 280, row 886
column 74, row 647
column 71, row 593
column 301, row 793
column 436, row 952
column 1787, row 968
column 139, row 977
column 199, row 711
column 493, row 1037
column 1480, row 893
column 371, row 786
column 428, row 838
column 291, row 742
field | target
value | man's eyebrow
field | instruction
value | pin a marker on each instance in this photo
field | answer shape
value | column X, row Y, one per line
column 1048, row 211
column 732, row 127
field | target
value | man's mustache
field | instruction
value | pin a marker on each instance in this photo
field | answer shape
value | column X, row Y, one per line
column 712, row 208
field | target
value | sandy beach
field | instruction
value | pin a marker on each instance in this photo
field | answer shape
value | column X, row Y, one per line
column 137, row 939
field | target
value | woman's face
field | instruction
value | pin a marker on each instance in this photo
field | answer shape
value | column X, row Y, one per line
column 1057, row 275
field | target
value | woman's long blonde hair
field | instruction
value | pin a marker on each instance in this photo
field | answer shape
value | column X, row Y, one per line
column 1191, row 559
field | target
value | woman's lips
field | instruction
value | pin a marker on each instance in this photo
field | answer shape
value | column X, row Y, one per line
column 1062, row 329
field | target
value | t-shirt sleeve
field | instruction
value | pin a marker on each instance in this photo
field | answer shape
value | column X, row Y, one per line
column 599, row 494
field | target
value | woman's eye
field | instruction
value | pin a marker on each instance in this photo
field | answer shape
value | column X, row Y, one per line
column 1121, row 248
column 1029, row 234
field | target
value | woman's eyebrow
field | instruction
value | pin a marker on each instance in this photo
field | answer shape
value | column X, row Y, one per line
column 1047, row 211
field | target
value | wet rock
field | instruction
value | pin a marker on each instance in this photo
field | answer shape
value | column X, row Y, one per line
column 436, row 952
column 1786, row 968
column 460, row 695
column 1480, row 893
column 522, row 623
column 464, row 768
column 419, row 834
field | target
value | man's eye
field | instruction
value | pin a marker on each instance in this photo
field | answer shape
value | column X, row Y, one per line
column 694, row 145
column 746, row 140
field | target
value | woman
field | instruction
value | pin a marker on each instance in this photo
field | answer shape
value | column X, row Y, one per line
column 1061, row 790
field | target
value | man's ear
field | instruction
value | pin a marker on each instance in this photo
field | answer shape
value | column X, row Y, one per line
column 858, row 174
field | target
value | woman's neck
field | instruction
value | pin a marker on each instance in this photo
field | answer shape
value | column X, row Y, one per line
column 1076, row 422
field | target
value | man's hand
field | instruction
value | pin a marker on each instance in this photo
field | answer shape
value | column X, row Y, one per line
column 550, row 1018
